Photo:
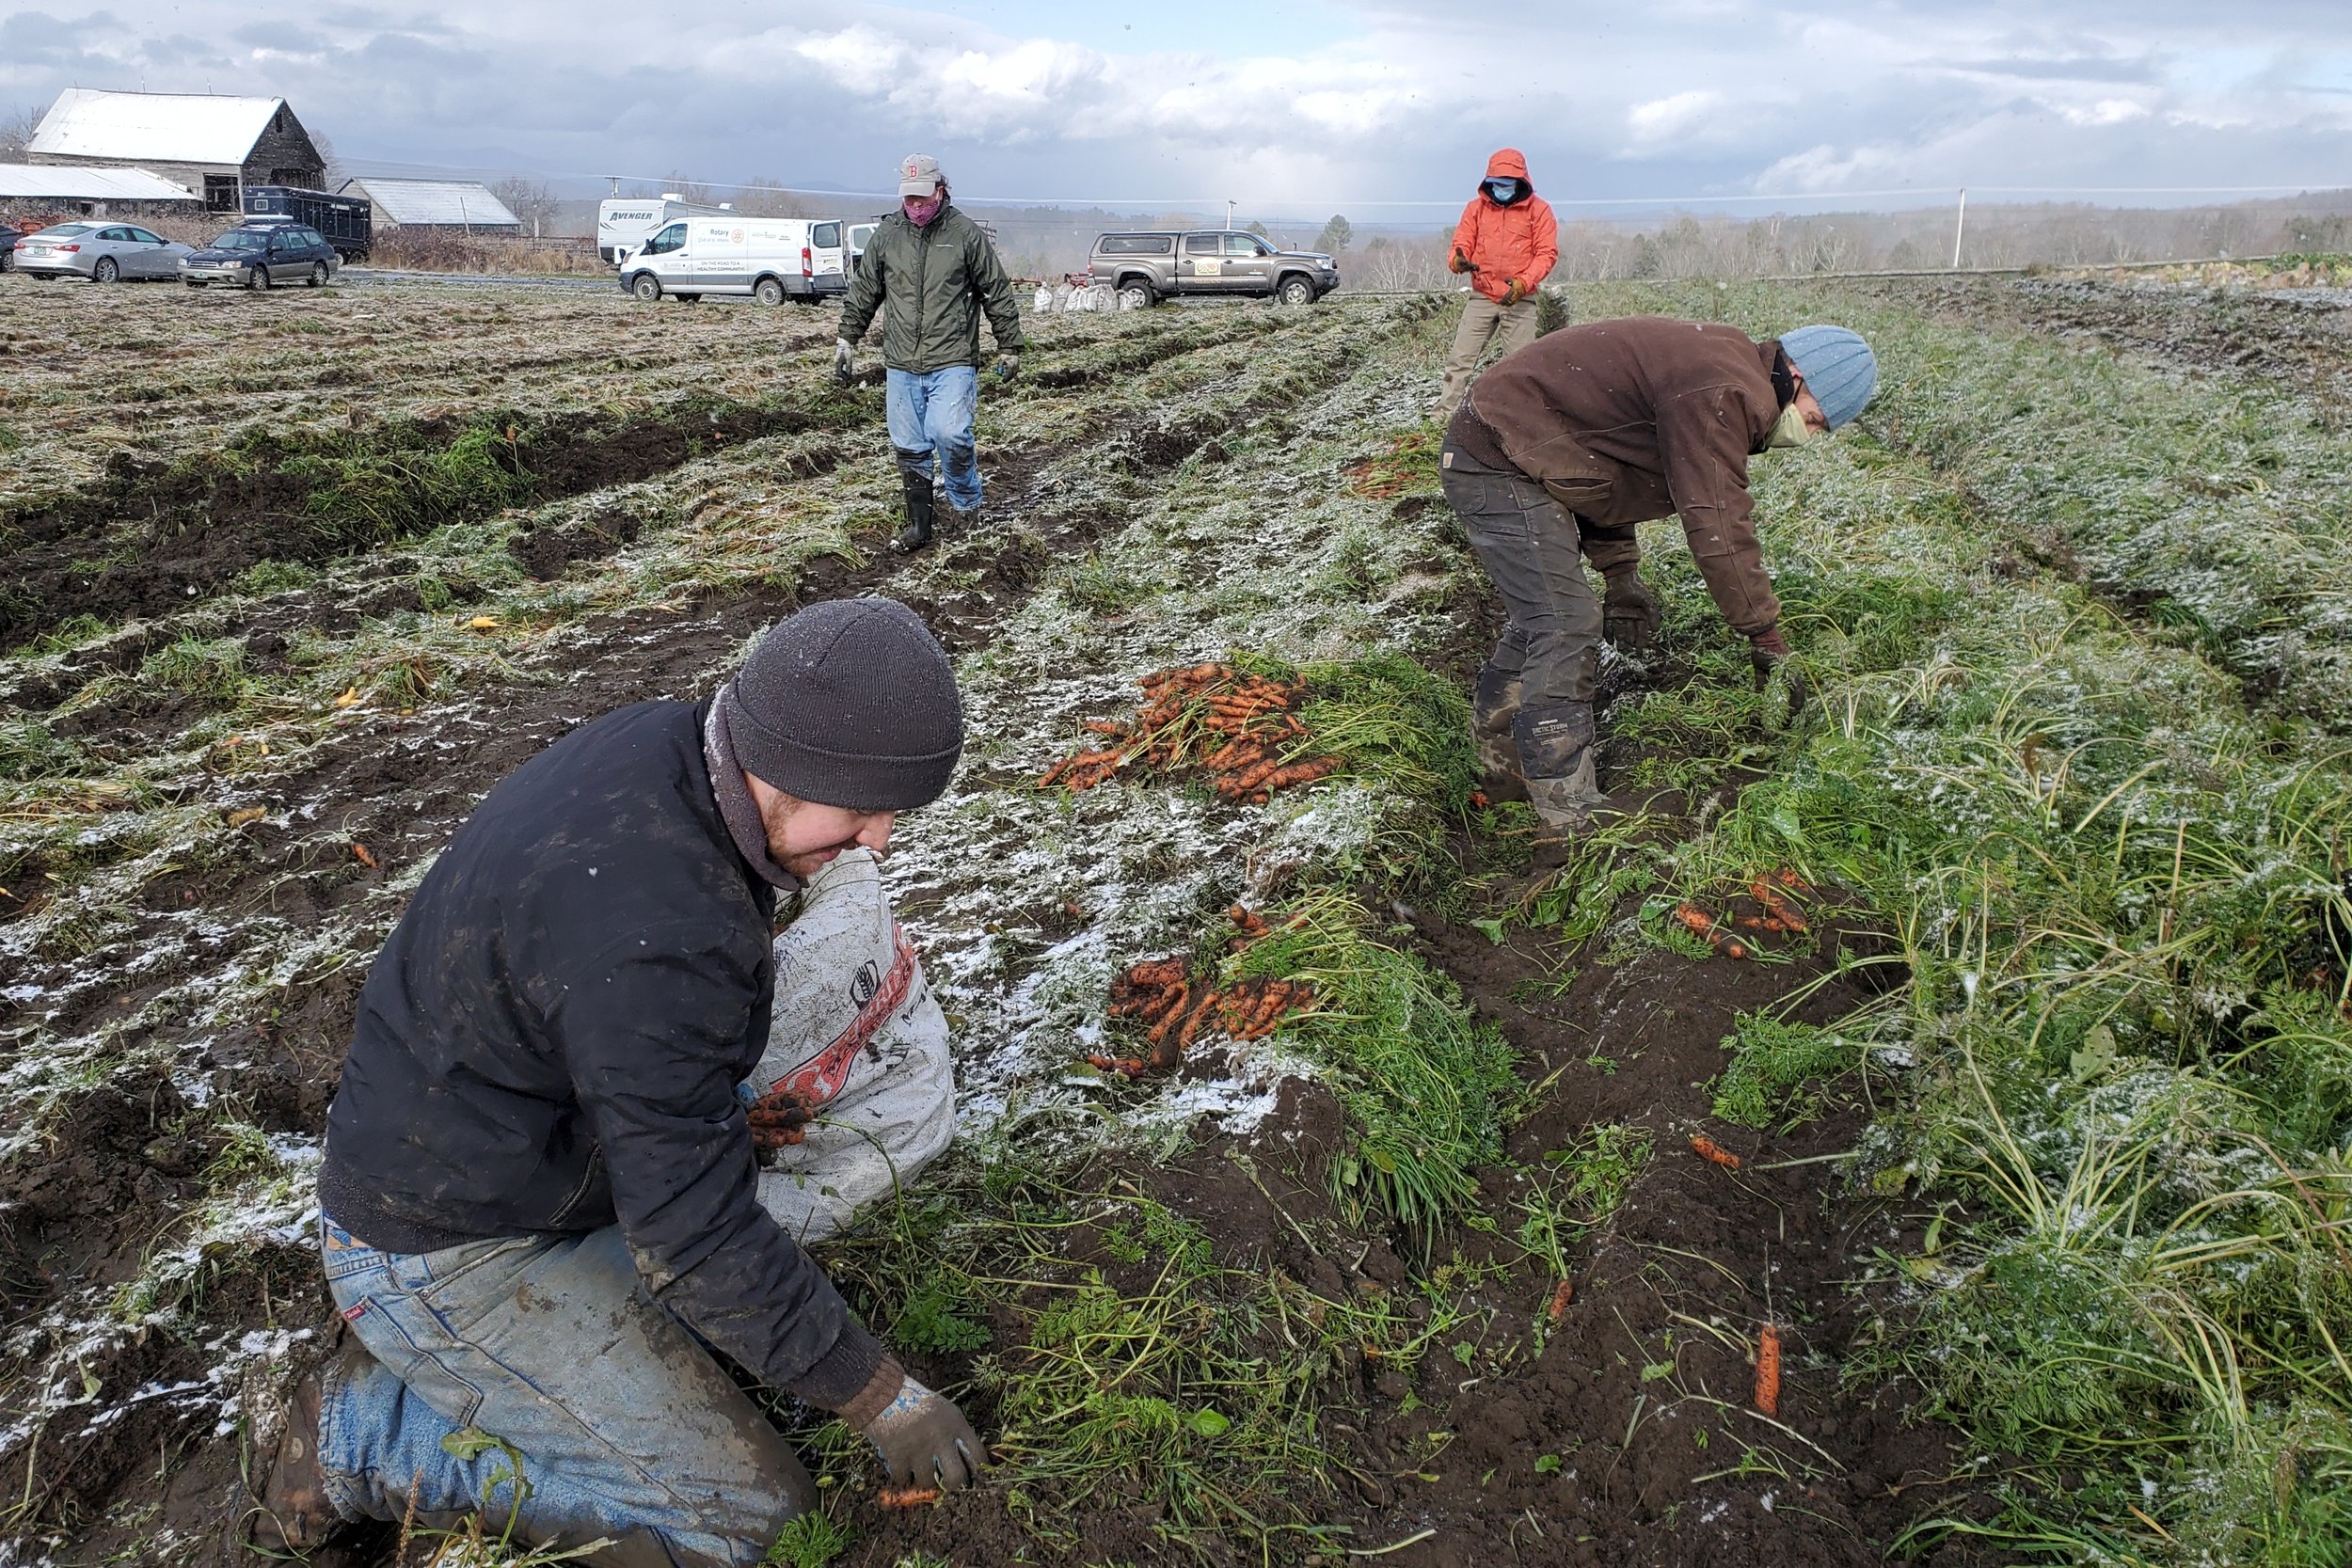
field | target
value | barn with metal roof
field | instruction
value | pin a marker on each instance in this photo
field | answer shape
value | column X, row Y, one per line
column 464, row 204
column 212, row 143
column 47, row 191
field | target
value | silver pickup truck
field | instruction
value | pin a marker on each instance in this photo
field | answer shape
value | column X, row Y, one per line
column 1147, row 265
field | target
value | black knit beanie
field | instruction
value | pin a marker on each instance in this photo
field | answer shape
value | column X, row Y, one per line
column 850, row 702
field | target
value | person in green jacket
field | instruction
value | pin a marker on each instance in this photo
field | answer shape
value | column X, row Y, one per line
column 937, row 272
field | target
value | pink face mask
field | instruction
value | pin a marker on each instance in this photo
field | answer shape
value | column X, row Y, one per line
column 922, row 209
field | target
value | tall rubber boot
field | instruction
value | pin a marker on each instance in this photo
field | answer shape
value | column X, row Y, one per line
column 1494, row 704
column 915, row 478
column 1556, row 743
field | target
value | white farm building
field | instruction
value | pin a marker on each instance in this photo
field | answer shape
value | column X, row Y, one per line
column 452, row 205
column 211, row 145
column 28, row 190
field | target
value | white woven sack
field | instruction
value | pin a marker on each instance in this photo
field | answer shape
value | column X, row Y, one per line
column 856, row 1035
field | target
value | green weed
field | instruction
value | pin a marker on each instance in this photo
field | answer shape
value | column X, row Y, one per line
column 1771, row 1060
column 2113, row 899
column 29, row 750
column 1423, row 1080
column 265, row 578
column 810, row 1540
column 1097, row 587
column 201, row 669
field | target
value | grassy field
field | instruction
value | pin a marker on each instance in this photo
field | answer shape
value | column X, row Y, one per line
column 2043, row 1117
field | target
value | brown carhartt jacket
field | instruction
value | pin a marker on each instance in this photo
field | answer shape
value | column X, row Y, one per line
column 1628, row 420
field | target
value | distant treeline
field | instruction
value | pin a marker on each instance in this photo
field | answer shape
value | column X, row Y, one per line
column 1047, row 242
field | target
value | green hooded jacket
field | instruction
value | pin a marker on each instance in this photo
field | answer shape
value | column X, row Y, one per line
column 937, row 279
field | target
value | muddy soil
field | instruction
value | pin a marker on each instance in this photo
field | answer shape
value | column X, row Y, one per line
column 152, row 538
column 89, row 1215
column 2299, row 341
column 1641, row 1387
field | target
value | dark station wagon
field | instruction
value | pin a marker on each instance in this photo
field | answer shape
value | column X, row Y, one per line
column 258, row 254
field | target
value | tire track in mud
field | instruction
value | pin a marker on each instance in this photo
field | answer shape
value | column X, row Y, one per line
column 80, row 1214
column 2288, row 339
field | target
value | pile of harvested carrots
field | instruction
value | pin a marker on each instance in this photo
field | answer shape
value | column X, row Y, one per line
column 1176, row 1009
column 1774, row 894
column 1234, row 726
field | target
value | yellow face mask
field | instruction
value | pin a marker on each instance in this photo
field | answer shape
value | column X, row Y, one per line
column 1789, row 430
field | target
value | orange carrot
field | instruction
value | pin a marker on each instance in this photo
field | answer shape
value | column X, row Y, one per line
column 1697, row 919
column 1128, row 1066
column 909, row 1497
column 1767, row 1370
column 1561, row 1296
column 1168, row 1016
column 1780, row 907
column 359, row 853
column 1708, row 1150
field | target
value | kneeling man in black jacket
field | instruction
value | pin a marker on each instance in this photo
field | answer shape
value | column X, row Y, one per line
column 539, row 1194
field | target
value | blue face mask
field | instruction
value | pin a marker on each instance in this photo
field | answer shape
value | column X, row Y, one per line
column 1501, row 190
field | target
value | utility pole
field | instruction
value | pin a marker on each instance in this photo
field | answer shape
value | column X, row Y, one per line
column 1960, row 227
column 1229, row 205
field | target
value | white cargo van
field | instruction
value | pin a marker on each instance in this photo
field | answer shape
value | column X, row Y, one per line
column 772, row 260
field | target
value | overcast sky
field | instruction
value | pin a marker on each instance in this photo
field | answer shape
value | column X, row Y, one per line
column 1300, row 104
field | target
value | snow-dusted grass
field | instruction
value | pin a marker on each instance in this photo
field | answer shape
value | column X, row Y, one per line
column 2119, row 894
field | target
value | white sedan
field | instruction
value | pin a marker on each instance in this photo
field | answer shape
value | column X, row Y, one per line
column 101, row 252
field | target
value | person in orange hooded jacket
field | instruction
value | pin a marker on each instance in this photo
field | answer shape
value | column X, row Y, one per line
column 1506, row 242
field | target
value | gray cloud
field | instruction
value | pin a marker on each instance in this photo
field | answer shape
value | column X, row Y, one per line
column 1402, row 102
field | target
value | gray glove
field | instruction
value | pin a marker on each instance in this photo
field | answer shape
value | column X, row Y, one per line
column 1629, row 613
column 844, row 367
column 925, row 1441
column 1007, row 366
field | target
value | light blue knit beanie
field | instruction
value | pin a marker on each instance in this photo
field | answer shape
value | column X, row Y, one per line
column 1839, row 369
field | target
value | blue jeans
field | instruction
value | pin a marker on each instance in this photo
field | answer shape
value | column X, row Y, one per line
column 931, row 415
column 625, row 1426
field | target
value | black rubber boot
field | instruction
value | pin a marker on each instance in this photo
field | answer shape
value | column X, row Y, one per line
column 915, row 478
column 1494, row 704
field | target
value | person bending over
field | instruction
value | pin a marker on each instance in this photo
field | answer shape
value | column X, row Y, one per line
column 1568, row 444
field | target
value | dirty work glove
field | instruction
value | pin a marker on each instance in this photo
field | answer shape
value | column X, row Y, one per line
column 1007, row 366
column 925, row 1441
column 844, row 367
column 1513, row 292
column 1630, row 613
column 1459, row 262
column 1769, row 655
column 779, row 1119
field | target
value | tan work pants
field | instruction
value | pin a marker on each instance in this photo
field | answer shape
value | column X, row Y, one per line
column 1482, row 321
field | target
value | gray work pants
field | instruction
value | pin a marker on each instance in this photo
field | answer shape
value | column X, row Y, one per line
column 1551, row 644
column 1482, row 321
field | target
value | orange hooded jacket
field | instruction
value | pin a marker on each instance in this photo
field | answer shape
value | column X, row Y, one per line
column 1520, row 241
